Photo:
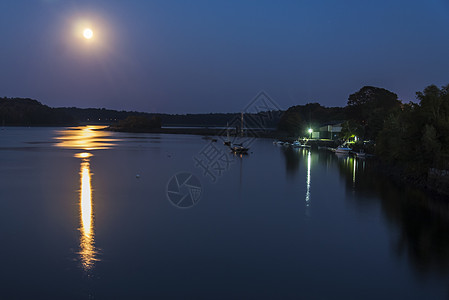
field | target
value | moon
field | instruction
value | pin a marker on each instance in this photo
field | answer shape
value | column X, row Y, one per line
column 88, row 33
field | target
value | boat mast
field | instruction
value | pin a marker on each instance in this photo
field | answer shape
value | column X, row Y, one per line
column 241, row 126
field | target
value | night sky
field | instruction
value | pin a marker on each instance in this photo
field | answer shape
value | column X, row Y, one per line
column 215, row 56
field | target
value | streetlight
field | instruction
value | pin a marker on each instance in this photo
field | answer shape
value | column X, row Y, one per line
column 310, row 132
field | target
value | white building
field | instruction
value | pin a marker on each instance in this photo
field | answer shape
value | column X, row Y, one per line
column 330, row 131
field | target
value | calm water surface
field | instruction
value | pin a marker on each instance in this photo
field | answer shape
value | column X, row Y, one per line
column 85, row 214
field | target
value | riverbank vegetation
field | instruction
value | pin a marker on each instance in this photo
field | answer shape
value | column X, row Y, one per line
column 297, row 119
column 137, row 124
column 29, row 112
column 363, row 116
column 416, row 137
column 410, row 140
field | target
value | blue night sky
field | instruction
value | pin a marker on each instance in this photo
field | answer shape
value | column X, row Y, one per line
column 215, row 56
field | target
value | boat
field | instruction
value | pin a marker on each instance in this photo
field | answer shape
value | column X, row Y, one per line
column 360, row 154
column 297, row 144
column 342, row 150
column 209, row 138
column 239, row 149
column 228, row 140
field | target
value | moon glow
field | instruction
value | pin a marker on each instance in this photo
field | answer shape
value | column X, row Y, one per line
column 88, row 33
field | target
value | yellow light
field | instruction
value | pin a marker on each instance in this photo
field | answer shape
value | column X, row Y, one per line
column 87, row 246
column 88, row 33
column 86, row 198
column 83, row 155
column 85, row 138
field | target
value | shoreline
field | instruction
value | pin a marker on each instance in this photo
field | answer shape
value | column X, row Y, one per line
column 435, row 185
column 257, row 133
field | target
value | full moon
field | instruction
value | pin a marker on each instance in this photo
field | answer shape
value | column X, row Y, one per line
column 88, row 33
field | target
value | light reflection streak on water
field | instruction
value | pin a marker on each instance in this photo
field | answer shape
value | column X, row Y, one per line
column 86, row 138
column 309, row 161
column 87, row 239
column 354, row 162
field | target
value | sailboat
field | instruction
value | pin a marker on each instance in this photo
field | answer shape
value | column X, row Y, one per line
column 238, row 148
column 228, row 140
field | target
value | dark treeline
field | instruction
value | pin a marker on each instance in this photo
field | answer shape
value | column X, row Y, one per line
column 367, row 111
column 416, row 137
column 29, row 112
column 137, row 124
column 97, row 115
column 297, row 119
column 108, row 116
column 411, row 140
column 363, row 116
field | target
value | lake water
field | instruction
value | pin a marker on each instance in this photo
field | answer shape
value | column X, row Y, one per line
column 88, row 214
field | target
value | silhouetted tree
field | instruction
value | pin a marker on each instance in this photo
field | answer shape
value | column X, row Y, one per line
column 351, row 128
column 417, row 136
column 25, row 111
column 297, row 119
column 139, row 123
column 369, row 107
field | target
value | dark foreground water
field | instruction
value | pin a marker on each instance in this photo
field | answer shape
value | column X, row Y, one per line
column 88, row 214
